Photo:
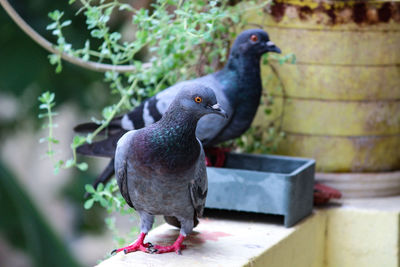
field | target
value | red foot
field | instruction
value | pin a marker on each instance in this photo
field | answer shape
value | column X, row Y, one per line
column 208, row 162
column 176, row 247
column 323, row 193
column 215, row 156
column 138, row 245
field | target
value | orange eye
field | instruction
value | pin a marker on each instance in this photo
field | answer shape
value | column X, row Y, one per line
column 198, row 99
column 254, row 38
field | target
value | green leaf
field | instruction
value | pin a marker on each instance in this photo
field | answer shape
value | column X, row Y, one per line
column 53, row 140
column 89, row 188
column 83, row 166
column 96, row 33
column 88, row 203
column 77, row 141
column 54, row 59
column 100, row 187
column 107, row 112
column 66, row 23
column 124, row 7
column 115, row 36
column 43, row 106
column 103, row 202
column 56, row 15
column 57, row 166
column 51, row 26
column 59, row 68
column 69, row 163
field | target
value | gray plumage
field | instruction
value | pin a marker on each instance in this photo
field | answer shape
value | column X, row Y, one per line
column 237, row 88
column 160, row 169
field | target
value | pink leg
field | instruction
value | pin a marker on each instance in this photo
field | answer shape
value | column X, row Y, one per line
column 176, row 247
column 208, row 161
column 220, row 161
column 138, row 245
column 216, row 154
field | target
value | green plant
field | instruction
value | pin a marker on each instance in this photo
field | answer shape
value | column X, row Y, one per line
column 47, row 103
column 175, row 40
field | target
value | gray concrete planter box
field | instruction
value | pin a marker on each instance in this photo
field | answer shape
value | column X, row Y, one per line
column 264, row 184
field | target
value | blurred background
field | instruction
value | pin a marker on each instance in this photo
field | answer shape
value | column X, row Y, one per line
column 338, row 104
column 43, row 221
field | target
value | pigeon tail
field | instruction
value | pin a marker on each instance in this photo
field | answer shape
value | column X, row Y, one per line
column 103, row 148
column 89, row 127
column 104, row 177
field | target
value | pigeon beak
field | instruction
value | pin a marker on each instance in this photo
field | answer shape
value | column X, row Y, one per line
column 216, row 108
column 271, row 47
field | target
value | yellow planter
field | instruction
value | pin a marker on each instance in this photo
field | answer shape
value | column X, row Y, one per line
column 340, row 103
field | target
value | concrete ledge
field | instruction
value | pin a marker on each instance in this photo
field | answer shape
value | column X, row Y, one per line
column 362, row 232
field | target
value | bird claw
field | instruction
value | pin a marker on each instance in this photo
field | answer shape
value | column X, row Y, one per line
column 177, row 248
column 151, row 250
column 133, row 248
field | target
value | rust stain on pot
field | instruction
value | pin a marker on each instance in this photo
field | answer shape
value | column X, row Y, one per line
column 379, row 116
column 366, row 160
column 305, row 12
column 366, row 146
column 278, row 10
column 359, row 12
column 385, row 12
column 337, row 12
column 332, row 15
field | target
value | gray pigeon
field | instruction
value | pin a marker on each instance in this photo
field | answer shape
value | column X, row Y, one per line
column 160, row 169
column 237, row 87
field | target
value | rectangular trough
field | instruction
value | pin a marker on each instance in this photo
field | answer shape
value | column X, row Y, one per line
column 264, row 184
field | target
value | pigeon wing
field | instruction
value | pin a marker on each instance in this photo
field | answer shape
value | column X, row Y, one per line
column 153, row 108
column 199, row 185
column 122, row 178
column 103, row 148
column 121, row 165
column 150, row 110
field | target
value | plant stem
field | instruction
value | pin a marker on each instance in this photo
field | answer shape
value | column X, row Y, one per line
column 102, row 67
column 50, row 126
column 124, row 98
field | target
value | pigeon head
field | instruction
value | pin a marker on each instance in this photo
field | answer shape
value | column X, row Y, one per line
column 254, row 42
column 199, row 100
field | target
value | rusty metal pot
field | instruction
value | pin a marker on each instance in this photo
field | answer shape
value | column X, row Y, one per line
column 340, row 103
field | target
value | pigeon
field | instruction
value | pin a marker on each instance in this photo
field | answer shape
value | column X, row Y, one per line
column 237, row 87
column 160, row 169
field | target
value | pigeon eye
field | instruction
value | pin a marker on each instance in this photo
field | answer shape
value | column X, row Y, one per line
column 198, row 99
column 254, row 38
